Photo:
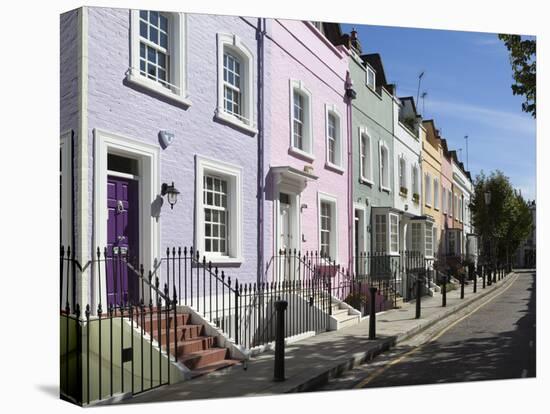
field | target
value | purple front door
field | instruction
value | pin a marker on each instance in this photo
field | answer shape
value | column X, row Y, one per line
column 123, row 238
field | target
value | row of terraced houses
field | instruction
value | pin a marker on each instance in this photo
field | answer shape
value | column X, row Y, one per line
column 246, row 140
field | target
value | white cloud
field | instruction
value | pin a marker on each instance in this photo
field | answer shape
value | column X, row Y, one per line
column 495, row 118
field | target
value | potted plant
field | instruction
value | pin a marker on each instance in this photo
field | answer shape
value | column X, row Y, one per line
column 416, row 197
column 403, row 191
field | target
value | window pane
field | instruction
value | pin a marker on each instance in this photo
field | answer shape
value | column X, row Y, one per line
column 164, row 40
column 143, row 14
column 143, row 29
column 154, row 18
column 163, row 23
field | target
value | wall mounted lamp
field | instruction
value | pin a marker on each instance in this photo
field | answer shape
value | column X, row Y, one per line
column 171, row 194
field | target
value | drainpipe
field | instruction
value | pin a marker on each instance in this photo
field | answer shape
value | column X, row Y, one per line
column 260, row 36
column 350, row 94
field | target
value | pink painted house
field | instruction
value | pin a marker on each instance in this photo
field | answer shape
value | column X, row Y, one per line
column 307, row 164
column 446, row 198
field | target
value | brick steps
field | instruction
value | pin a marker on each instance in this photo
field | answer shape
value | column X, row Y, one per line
column 197, row 351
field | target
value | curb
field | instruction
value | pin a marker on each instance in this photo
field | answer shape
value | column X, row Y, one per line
column 382, row 345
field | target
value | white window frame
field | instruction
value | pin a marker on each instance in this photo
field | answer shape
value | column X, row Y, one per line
column 415, row 173
column 402, row 172
column 339, row 147
column 177, row 50
column 450, row 202
column 428, row 190
column 328, row 198
column 66, row 187
column 236, row 46
column 390, row 217
column 307, row 152
column 428, row 229
column 363, row 132
column 444, row 199
column 362, row 236
column 385, row 228
column 416, row 228
column 461, row 207
column 436, row 193
column 233, row 175
column 383, row 147
column 456, row 206
column 370, row 71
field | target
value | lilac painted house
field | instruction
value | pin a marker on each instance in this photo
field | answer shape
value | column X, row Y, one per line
column 152, row 103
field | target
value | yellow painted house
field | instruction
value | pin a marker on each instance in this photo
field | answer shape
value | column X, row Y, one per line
column 431, row 187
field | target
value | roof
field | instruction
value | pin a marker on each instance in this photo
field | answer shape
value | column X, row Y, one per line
column 375, row 61
column 411, row 99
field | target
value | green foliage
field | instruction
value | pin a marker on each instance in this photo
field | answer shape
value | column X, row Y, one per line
column 355, row 300
column 524, row 65
column 506, row 221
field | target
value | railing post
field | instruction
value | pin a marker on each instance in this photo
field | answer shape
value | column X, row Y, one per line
column 279, row 372
column 236, row 311
column 444, row 292
column 419, row 282
column 372, row 314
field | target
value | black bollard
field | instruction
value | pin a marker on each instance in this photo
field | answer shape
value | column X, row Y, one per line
column 489, row 277
column 462, row 278
column 494, row 275
column 372, row 314
column 419, row 282
column 280, row 308
column 444, row 292
column 473, row 271
column 483, row 277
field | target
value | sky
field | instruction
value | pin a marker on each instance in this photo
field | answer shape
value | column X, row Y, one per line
column 467, row 78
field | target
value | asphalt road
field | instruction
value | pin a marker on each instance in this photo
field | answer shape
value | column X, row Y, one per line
column 497, row 341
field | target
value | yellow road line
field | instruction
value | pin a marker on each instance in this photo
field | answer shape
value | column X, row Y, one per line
column 380, row 371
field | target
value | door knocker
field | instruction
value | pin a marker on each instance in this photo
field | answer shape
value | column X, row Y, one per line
column 119, row 207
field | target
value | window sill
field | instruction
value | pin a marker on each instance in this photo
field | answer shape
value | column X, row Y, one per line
column 364, row 180
column 386, row 189
column 230, row 119
column 428, row 205
column 156, row 88
column 302, row 154
column 334, row 167
column 223, row 260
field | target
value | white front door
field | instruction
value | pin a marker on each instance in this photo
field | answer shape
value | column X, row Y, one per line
column 285, row 223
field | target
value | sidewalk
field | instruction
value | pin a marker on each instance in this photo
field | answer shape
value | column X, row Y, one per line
column 310, row 362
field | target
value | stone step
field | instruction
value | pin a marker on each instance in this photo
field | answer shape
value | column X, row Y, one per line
column 164, row 320
column 184, row 333
column 339, row 313
column 195, row 345
column 200, row 359
column 350, row 320
column 215, row 366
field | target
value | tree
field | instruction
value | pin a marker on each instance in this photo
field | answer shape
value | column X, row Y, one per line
column 524, row 65
column 505, row 222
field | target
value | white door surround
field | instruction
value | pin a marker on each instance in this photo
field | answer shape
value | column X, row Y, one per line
column 147, row 157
